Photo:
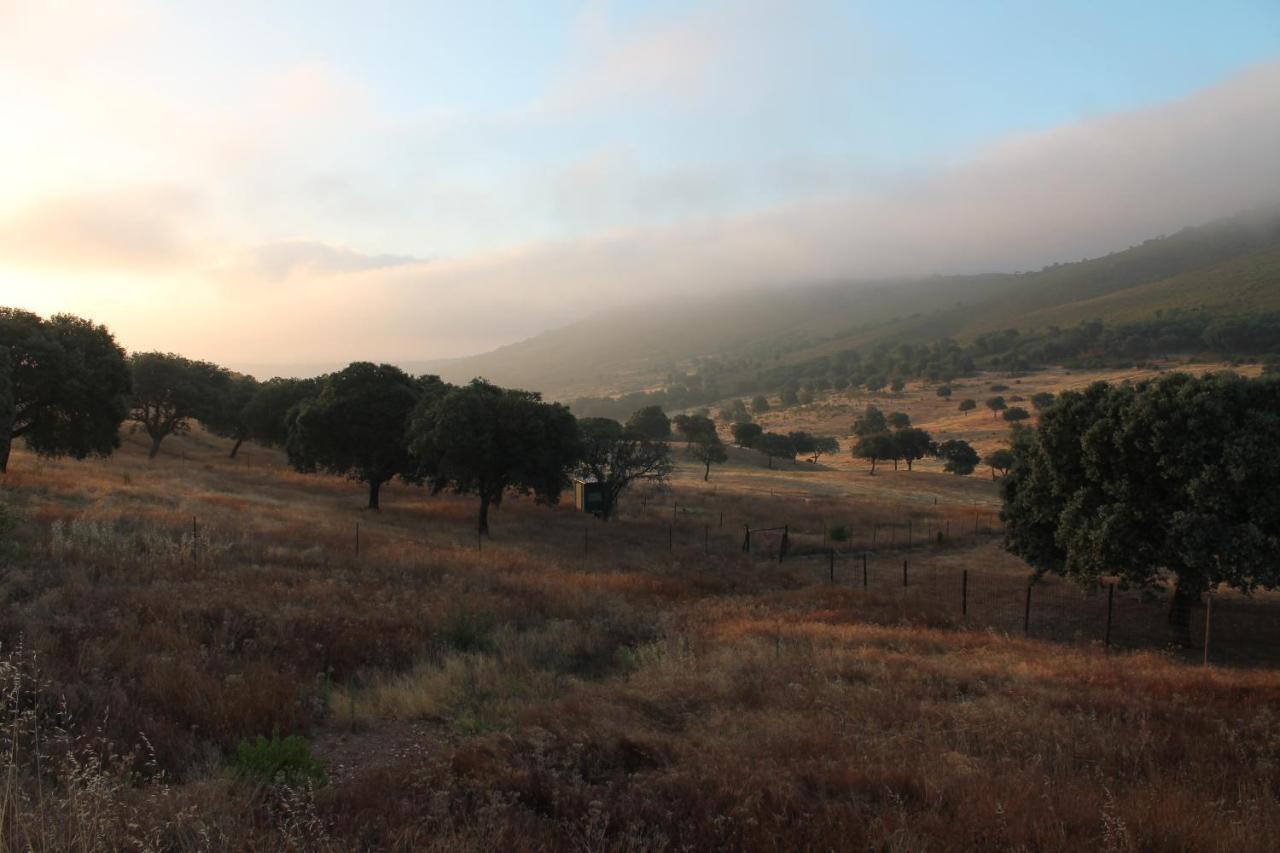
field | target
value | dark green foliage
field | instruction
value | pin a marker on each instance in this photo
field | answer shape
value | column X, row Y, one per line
column 1178, row 474
column 759, row 404
column 813, row 446
column 616, row 458
column 67, row 384
column 1042, row 400
column 650, row 422
column 911, row 444
column 839, row 533
column 875, row 447
column 996, row 405
column 226, row 414
column 267, row 414
column 944, row 391
column 695, row 428
column 897, row 385
column 790, row 394
column 968, row 405
column 959, row 456
column 1000, row 461
column 288, row 760
column 356, row 425
column 775, row 445
column 745, row 434
column 871, row 421
column 170, row 391
column 1014, row 414
column 999, row 386
column 736, row 412
column 484, row 439
column 899, row 420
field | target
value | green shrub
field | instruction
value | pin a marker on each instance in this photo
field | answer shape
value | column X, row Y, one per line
column 468, row 631
column 279, row 759
column 839, row 533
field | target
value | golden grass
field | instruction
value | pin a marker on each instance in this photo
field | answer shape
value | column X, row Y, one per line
column 545, row 691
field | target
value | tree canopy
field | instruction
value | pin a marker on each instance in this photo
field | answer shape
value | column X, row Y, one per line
column 651, row 422
column 775, row 445
column 968, row 405
column 997, row 405
column 66, row 385
column 1176, row 475
column 708, row 450
column 874, row 447
column 225, row 414
column 267, row 414
column 912, row 443
column 959, row 457
column 356, row 425
column 1000, row 460
column 484, row 439
column 695, row 428
column 744, row 435
column 170, row 391
column 871, row 421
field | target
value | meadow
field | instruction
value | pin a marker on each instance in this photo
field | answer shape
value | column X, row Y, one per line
column 642, row 684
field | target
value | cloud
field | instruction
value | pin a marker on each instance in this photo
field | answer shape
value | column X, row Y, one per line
column 281, row 260
column 130, row 229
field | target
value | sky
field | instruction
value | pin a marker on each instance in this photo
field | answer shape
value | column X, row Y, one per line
column 317, row 182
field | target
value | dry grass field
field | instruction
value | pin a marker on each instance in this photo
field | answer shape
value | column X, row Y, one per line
column 637, row 685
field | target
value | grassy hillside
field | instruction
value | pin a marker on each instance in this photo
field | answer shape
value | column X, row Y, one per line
column 1229, row 268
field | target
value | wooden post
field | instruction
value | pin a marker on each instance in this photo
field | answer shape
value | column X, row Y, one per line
column 1208, row 615
column 673, row 512
column 1026, row 613
column 904, row 573
column 1111, row 600
column 908, row 533
column 722, row 519
column 831, row 556
column 864, row 569
column 964, row 593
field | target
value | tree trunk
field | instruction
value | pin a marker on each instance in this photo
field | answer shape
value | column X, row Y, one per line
column 155, row 446
column 706, row 475
column 375, row 486
column 6, row 445
column 1185, row 597
column 235, row 448
column 908, row 464
column 895, row 464
column 484, row 514
column 873, row 464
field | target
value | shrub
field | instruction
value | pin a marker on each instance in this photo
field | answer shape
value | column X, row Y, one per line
column 839, row 533
column 468, row 631
column 279, row 759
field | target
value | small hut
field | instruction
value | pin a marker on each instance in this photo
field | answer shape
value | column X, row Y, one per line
column 588, row 495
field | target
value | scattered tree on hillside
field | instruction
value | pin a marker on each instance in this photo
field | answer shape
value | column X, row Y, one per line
column 356, row 425
column 899, row 420
column 1015, row 414
column 735, row 412
column 1000, row 460
column 650, row 422
column 944, row 391
column 745, row 434
column 616, row 458
column 999, row 386
column 268, row 412
column 813, row 446
column 875, row 447
column 790, row 394
column 775, row 445
column 759, row 404
column 708, row 450
column 805, row 397
column 695, row 428
column 170, row 391
column 911, row 444
column 67, row 385
column 225, row 414
column 871, row 421
column 875, row 383
column 1176, row 475
column 996, row 405
column 484, row 439
column 959, row 456
column 968, row 405
column 897, row 385
column 1042, row 400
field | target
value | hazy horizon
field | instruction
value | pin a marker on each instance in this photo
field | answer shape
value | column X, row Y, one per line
column 408, row 183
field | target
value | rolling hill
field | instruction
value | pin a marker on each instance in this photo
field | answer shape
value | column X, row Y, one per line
column 1226, row 268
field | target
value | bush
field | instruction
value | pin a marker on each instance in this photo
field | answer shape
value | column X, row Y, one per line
column 839, row 533
column 279, row 759
column 468, row 631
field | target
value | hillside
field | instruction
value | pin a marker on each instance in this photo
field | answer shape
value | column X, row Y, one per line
column 1227, row 268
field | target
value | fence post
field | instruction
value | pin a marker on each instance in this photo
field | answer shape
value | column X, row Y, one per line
column 1208, row 614
column 904, row 573
column 722, row 519
column 908, row 533
column 673, row 512
column 1026, row 613
column 832, row 559
column 964, row 593
column 1111, row 599
column 746, row 541
column 864, row 569
column 784, row 544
